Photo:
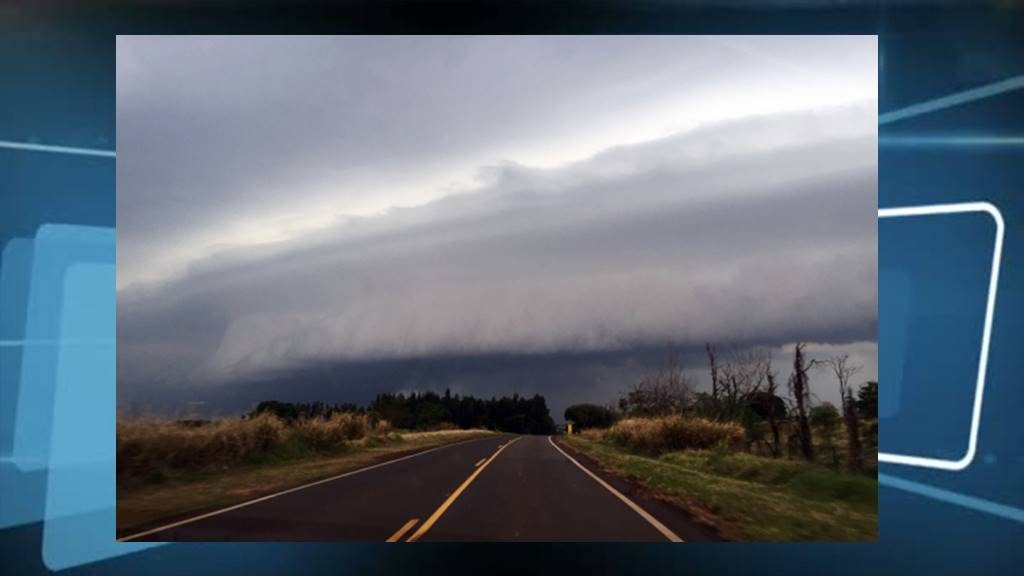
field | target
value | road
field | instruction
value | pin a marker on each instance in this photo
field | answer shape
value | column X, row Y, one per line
column 505, row 488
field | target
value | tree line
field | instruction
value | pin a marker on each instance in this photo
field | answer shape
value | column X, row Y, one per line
column 431, row 411
column 745, row 388
column 292, row 411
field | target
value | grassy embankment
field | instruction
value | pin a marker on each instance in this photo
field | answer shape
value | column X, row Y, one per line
column 168, row 470
column 746, row 497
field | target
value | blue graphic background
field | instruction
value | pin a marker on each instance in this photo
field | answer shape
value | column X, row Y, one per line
column 929, row 366
column 951, row 129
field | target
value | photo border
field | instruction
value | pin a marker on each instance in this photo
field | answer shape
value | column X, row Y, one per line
column 979, row 391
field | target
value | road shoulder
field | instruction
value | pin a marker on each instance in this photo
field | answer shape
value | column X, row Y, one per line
column 141, row 511
column 677, row 519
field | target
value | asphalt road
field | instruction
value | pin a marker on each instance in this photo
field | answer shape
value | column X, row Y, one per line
column 518, row 488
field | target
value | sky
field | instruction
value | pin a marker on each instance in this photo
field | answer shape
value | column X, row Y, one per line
column 325, row 218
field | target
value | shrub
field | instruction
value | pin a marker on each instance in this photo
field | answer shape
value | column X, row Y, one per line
column 657, row 435
column 382, row 426
column 589, row 416
column 871, row 435
column 353, row 425
column 148, row 450
column 318, row 433
column 330, row 433
column 264, row 432
column 825, row 417
column 146, row 447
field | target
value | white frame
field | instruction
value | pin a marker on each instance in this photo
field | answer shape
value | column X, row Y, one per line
column 979, row 391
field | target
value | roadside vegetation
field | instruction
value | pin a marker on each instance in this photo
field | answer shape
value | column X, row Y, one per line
column 747, row 497
column 151, row 451
column 170, row 468
column 666, row 433
column 751, row 460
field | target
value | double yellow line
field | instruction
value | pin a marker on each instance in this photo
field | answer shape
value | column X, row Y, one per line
column 448, row 502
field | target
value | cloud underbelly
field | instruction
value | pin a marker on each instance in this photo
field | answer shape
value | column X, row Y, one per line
column 744, row 246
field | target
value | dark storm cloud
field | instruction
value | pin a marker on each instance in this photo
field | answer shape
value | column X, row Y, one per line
column 563, row 378
column 327, row 218
column 210, row 129
column 675, row 241
column 221, row 139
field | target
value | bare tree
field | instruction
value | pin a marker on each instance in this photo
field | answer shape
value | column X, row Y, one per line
column 799, row 388
column 773, row 417
column 665, row 391
column 714, row 370
column 742, row 375
column 843, row 371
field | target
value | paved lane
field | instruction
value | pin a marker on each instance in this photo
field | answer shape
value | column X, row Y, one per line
column 493, row 489
column 532, row 492
column 369, row 505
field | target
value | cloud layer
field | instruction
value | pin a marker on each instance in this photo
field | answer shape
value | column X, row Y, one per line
column 511, row 214
column 243, row 140
column 752, row 231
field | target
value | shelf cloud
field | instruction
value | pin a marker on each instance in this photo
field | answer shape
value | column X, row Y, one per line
column 758, row 229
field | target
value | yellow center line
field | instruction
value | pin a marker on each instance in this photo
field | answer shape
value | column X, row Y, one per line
column 458, row 491
column 481, row 461
column 401, row 531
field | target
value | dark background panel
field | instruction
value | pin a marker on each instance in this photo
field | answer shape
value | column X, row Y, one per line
column 57, row 77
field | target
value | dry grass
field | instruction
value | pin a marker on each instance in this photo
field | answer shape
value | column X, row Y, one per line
column 331, row 433
column 658, row 435
column 152, row 451
column 750, row 497
column 144, row 504
column 148, row 448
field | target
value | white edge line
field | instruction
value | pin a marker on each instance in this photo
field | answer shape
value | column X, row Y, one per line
column 670, row 535
column 290, row 490
column 972, row 442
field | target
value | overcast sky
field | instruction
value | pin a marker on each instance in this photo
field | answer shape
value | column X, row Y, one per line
column 288, row 202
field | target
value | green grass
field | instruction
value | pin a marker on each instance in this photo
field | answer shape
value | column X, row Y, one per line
column 751, row 497
column 289, row 465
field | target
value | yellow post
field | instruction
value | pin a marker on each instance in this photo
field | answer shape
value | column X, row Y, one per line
column 568, row 428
